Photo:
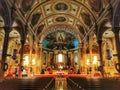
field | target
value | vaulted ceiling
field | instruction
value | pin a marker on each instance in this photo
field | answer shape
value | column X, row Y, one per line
column 80, row 17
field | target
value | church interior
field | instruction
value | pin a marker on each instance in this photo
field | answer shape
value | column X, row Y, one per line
column 59, row 37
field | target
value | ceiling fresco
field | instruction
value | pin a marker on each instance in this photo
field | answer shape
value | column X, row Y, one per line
column 60, row 40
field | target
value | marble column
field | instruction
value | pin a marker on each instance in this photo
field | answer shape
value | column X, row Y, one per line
column 38, row 59
column 21, row 57
column 117, row 40
column 4, row 52
column 101, row 57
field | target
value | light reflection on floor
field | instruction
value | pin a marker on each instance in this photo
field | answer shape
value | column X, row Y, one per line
column 61, row 84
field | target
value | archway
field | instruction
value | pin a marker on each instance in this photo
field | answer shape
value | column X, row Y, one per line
column 60, row 50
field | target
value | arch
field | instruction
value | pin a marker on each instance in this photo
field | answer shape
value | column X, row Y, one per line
column 82, row 4
column 101, row 29
column 78, row 19
column 53, row 28
column 35, row 7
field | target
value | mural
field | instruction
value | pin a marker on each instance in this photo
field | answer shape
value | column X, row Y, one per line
column 60, row 40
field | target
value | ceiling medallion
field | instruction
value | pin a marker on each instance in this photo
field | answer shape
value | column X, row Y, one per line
column 61, row 6
column 60, row 19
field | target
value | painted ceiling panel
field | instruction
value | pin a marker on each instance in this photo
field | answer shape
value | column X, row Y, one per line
column 61, row 6
column 60, row 19
column 35, row 18
column 63, row 11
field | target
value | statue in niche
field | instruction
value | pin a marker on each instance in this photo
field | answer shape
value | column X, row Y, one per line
column 60, row 37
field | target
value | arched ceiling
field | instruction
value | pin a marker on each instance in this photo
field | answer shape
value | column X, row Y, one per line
column 79, row 15
column 76, row 14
